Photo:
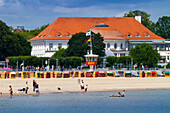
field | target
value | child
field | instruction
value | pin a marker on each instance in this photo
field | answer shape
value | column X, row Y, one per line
column 123, row 93
column 26, row 88
column 86, row 88
column 11, row 92
column 37, row 89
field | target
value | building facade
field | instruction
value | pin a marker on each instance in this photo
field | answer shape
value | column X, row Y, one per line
column 120, row 35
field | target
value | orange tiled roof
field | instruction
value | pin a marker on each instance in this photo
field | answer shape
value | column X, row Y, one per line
column 72, row 25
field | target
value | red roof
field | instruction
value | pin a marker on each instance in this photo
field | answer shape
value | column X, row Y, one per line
column 72, row 25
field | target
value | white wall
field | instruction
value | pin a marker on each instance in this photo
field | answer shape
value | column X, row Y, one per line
column 118, row 42
column 41, row 48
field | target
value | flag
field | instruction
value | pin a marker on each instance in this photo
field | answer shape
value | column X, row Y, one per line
column 22, row 63
column 17, row 62
column 88, row 40
column 88, row 33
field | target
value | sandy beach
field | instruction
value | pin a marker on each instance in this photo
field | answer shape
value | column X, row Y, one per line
column 51, row 85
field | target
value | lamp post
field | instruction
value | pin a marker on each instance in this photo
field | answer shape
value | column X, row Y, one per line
column 57, row 64
column 48, row 64
column 132, row 63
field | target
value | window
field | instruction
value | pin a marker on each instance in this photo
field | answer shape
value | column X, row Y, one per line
column 50, row 46
column 60, row 45
column 147, row 35
column 121, row 46
column 138, row 35
column 129, row 35
column 115, row 54
column 108, row 45
column 59, row 35
column 122, row 54
column 41, row 35
column 115, row 45
column 68, row 35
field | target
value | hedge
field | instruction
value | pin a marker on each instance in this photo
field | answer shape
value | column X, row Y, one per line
column 37, row 61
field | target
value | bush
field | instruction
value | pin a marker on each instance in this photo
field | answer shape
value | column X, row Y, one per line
column 168, row 65
column 38, row 61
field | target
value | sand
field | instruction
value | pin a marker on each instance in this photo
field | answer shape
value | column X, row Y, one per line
column 51, row 85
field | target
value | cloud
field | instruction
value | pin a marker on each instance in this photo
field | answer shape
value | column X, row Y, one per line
column 33, row 13
column 1, row 3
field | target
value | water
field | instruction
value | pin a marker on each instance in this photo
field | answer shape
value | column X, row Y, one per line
column 154, row 101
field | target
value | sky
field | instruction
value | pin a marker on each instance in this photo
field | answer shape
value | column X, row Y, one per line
column 34, row 13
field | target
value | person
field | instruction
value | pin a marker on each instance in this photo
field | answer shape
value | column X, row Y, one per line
column 86, row 88
column 119, row 93
column 37, row 89
column 10, row 90
column 26, row 88
column 0, row 94
column 123, row 93
column 82, row 86
column 34, row 85
column 73, row 75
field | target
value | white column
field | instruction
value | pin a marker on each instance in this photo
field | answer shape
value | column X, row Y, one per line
column 166, row 58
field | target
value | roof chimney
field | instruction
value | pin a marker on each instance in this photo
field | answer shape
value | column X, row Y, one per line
column 138, row 18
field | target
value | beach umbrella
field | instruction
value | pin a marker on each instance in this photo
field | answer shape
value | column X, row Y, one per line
column 6, row 69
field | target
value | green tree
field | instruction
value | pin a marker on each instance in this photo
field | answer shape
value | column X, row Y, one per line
column 78, row 46
column 145, row 18
column 11, row 44
column 163, row 27
column 60, row 53
column 145, row 54
column 124, row 60
column 28, row 34
column 111, row 60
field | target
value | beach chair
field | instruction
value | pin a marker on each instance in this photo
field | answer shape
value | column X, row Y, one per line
column 65, row 74
column 167, row 74
column 110, row 74
column 102, row 74
column 127, row 74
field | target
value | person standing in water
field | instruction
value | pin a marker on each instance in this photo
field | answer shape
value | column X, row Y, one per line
column 37, row 89
column 82, row 86
column 34, row 85
column 10, row 90
column 26, row 88
column 86, row 88
column 123, row 93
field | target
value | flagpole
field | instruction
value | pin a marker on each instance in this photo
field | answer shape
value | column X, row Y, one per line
column 17, row 65
column 91, row 52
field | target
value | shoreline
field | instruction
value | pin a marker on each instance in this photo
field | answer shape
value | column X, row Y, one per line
column 23, row 94
column 71, row 85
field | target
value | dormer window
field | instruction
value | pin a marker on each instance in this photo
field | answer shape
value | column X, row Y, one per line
column 138, row 35
column 68, row 35
column 129, row 35
column 37, row 36
column 41, row 35
column 59, row 35
column 147, row 35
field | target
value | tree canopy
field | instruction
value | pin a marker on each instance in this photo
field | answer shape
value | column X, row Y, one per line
column 77, row 45
column 12, row 44
column 145, row 18
column 163, row 27
column 145, row 54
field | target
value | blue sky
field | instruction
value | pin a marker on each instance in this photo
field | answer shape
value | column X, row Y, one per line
column 35, row 13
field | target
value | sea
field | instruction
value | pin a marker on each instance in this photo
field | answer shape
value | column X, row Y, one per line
column 143, row 101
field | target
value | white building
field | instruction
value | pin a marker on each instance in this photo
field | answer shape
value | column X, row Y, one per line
column 120, row 35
